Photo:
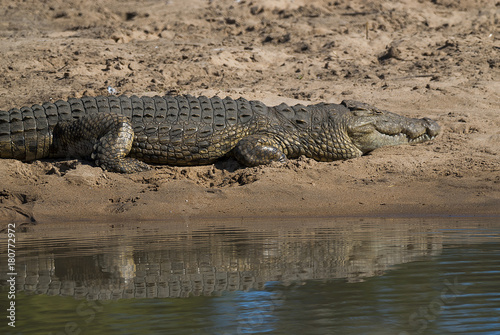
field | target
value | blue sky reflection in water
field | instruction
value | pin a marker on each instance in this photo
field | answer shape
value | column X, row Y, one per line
column 328, row 276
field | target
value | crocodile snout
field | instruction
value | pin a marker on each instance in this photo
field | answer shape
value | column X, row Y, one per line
column 433, row 128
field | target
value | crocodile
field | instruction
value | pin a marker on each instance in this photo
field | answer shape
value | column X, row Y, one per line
column 126, row 134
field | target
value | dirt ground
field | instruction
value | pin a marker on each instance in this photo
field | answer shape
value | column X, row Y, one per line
column 434, row 58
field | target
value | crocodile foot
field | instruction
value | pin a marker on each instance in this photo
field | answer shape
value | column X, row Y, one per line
column 105, row 138
column 256, row 150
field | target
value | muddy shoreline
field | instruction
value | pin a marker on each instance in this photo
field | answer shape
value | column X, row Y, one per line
column 438, row 59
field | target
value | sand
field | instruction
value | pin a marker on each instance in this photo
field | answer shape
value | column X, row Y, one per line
column 439, row 59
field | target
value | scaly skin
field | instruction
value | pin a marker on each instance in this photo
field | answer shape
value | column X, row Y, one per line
column 122, row 133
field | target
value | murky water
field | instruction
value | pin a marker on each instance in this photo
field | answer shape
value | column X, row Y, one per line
column 321, row 276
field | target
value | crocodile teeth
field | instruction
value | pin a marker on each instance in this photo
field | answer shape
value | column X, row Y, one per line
column 421, row 138
column 401, row 137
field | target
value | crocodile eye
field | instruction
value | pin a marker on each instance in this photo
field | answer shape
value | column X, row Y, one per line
column 367, row 112
column 362, row 112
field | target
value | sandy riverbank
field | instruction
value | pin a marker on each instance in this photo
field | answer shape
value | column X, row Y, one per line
column 438, row 59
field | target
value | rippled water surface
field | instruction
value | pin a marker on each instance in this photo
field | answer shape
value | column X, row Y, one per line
column 321, row 276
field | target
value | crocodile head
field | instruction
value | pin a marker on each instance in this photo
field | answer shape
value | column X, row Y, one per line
column 370, row 128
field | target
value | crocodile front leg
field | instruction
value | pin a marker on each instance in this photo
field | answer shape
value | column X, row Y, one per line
column 105, row 138
column 256, row 150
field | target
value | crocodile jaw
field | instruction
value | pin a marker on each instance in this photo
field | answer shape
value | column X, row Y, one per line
column 369, row 130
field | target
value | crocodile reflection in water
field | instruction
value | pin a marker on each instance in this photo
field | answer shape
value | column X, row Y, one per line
column 210, row 262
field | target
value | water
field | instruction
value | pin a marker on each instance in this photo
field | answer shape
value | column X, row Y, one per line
column 323, row 276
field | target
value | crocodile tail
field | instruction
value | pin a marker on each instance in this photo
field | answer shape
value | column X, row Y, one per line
column 24, row 133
